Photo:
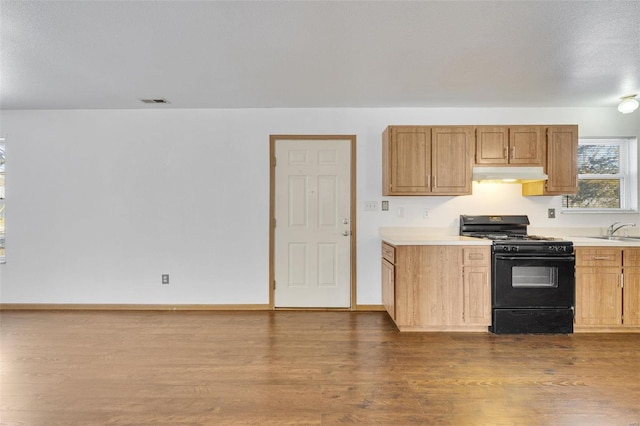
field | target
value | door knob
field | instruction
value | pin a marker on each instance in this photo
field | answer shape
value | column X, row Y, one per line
column 345, row 233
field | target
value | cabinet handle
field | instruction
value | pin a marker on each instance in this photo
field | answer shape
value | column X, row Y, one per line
column 506, row 152
column 428, row 181
column 621, row 280
column 434, row 182
column 602, row 258
column 513, row 152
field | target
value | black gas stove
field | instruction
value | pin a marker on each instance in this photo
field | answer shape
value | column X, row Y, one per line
column 532, row 277
column 509, row 234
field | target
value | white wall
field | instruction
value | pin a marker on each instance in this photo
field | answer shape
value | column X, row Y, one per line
column 100, row 203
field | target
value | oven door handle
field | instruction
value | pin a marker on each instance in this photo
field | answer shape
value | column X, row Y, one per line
column 554, row 258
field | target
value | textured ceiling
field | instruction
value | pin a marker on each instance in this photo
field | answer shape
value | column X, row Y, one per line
column 215, row 54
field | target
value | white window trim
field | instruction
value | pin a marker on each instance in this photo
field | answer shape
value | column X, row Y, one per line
column 628, row 175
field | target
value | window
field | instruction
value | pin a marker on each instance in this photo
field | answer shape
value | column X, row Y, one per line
column 607, row 176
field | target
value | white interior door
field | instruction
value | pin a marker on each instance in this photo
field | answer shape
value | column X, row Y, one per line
column 312, row 235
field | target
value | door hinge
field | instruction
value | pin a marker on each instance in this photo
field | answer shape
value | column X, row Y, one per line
column 274, row 222
column 274, row 284
column 274, row 161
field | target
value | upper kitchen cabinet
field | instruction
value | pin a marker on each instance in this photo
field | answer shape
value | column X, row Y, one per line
column 513, row 145
column 406, row 160
column 561, row 164
column 423, row 160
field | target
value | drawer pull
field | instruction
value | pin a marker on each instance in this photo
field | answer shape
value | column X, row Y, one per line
column 602, row 258
column 476, row 256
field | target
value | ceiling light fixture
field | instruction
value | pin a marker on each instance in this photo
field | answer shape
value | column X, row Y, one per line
column 628, row 104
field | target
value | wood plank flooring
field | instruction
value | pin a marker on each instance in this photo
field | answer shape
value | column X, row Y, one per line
column 305, row 368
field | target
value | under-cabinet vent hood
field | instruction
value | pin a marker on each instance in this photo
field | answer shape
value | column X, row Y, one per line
column 508, row 174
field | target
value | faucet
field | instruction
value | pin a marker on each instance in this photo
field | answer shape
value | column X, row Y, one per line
column 613, row 228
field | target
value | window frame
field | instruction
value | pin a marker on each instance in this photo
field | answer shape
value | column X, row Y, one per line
column 628, row 175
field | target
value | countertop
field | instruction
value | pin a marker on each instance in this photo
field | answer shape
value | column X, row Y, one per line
column 434, row 240
column 437, row 236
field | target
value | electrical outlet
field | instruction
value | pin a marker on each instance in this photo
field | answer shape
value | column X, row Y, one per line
column 370, row 206
column 385, row 205
column 165, row 278
column 425, row 213
column 551, row 213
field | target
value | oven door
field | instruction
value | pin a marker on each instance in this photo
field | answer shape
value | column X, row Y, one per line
column 533, row 281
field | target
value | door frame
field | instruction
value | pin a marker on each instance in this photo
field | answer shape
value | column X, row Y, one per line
column 272, row 205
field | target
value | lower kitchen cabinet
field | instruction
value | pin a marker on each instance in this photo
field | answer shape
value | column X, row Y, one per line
column 476, row 286
column 598, row 296
column 631, row 290
column 388, row 287
column 607, row 289
column 437, row 287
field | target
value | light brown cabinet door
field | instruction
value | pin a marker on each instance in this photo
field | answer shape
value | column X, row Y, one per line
column 631, row 290
column 477, row 295
column 562, row 160
column 598, row 296
column 388, row 288
column 412, row 268
column 451, row 163
column 406, row 155
column 492, row 145
column 526, row 145
column 631, row 297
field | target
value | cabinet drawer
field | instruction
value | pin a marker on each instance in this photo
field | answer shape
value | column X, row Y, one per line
column 598, row 257
column 389, row 252
column 631, row 257
column 476, row 256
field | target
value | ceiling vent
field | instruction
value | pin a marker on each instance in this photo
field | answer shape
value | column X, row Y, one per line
column 155, row 101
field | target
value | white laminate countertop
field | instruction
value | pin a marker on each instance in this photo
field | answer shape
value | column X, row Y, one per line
column 435, row 240
column 427, row 236
column 436, row 236
column 597, row 242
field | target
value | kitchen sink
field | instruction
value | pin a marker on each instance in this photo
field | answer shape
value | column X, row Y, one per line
column 615, row 238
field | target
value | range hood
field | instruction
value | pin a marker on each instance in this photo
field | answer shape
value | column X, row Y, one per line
column 508, row 174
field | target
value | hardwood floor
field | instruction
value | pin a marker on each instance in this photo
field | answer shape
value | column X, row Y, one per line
column 212, row 368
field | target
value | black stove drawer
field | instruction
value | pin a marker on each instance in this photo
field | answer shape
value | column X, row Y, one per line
column 532, row 321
